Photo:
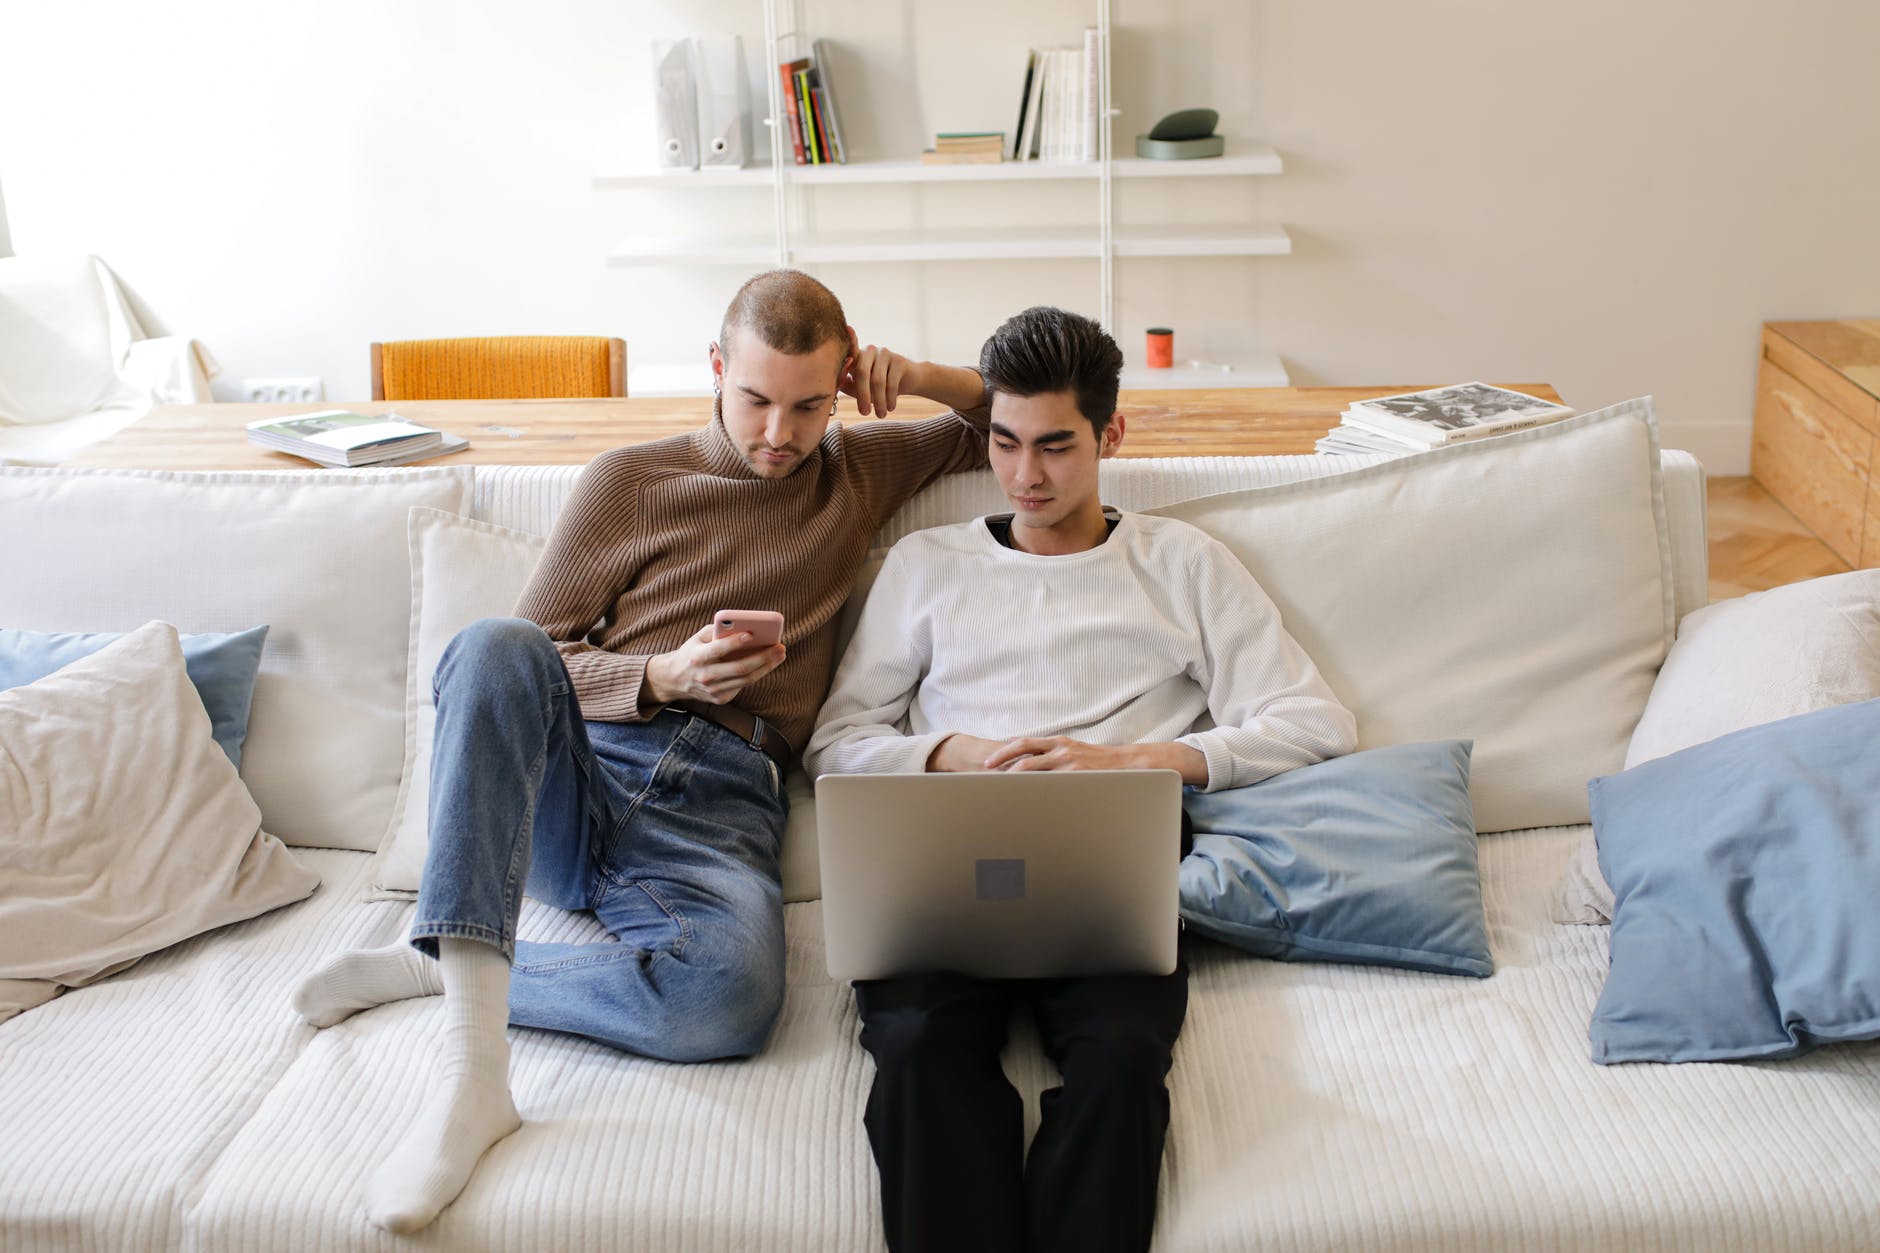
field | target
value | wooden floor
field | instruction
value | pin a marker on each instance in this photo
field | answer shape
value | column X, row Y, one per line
column 1755, row 543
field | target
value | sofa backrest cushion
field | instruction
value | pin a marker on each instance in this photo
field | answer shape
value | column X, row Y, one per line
column 1513, row 591
column 318, row 556
column 461, row 570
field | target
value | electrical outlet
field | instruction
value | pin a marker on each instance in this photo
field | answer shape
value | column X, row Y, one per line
column 283, row 390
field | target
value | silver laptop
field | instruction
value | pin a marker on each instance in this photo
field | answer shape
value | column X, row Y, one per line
column 1000, row 875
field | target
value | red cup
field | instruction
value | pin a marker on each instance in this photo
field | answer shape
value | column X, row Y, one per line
column 1161, row 348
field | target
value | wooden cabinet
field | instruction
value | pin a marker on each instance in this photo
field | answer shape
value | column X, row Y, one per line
column 1817, row 432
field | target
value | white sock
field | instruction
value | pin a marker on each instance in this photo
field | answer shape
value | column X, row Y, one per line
column 469, row 1106
column 363, row 978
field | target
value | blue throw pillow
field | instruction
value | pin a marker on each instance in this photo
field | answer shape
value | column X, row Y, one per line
column 1746, row 883
column 1367, row 858
column 222, row 667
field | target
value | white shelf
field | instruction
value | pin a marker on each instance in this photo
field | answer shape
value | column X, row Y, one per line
column 1244, row 160
column 1261, row 369
column 1041, row 243
column 1203, row 241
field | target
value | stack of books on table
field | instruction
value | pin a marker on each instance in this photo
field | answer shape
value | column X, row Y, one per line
column 335, row 437
column 1420, row 421
column 965, row 148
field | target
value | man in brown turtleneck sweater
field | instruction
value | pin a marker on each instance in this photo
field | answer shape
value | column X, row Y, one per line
column 604, row 749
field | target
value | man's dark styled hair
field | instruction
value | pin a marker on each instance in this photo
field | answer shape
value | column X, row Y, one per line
column 788, row 310
column 1054, row 350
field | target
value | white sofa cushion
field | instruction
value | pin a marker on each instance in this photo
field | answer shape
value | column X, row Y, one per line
column 1514, row 591
column 318, row 556
column 61, row 338
column 461, row 570
column 123, row 826
column 1741, row 663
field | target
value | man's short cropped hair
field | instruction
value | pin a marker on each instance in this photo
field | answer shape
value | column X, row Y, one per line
column 789, row 311
column 1054, row 350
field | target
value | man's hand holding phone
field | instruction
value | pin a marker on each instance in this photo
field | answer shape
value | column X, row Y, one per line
column 737, row 648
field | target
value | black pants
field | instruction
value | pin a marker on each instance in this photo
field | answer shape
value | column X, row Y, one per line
column 947, row 1128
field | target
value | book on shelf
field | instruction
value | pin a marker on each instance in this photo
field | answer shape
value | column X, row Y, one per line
column 806, row 111
column 1058, row 103
column 825, row 87
column 793, row 123
column 1444, row 415
column 965, row 148
column 970, row 141
column 337, row 437
column 1030, row 107
column 809, row 108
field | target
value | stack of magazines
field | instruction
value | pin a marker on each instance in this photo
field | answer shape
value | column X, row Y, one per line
column 335, row 437
column 1419, row 421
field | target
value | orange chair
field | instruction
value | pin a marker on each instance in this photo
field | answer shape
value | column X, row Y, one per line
column 509, row 367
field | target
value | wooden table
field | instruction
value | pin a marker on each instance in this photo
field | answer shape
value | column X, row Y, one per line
column 1177, row 423
column 1817, row 434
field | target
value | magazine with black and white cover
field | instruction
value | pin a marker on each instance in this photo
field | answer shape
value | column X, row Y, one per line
column 1351, row 440
column 1447, row 415
column 337, row 437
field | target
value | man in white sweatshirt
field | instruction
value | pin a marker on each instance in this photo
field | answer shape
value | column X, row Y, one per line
column 1063, row 636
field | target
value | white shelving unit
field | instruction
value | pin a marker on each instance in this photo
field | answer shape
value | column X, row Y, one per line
column 1238, row 161
column 1015, row 244
column 1103, row 243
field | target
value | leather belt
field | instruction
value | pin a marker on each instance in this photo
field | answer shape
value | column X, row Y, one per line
column 744, row 724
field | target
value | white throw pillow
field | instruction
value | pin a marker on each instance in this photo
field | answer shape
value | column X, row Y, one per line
column 1741, row 663
column 1513, row 591
column 461, row 570
column 123, row 826
column 318, row 555
column 60, row 329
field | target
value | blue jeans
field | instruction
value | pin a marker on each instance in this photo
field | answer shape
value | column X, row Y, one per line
column 668, row 830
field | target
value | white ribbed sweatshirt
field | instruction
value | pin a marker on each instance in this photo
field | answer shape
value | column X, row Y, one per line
column 1157, row 634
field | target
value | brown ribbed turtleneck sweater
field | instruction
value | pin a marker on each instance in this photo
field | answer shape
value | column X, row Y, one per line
column 656, row 538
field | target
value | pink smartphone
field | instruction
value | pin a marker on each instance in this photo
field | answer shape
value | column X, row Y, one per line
column 765, row 625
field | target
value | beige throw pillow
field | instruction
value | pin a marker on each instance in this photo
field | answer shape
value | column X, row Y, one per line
column 123, row 827
column 461, row 570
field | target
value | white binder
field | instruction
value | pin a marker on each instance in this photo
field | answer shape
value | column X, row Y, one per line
column 724, row 109
column 675, row 104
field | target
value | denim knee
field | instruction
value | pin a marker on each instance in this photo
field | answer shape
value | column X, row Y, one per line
column 498, row 647
column 696, row 1012
column 744, row 999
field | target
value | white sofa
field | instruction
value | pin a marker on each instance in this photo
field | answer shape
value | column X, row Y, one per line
column 182, row 1105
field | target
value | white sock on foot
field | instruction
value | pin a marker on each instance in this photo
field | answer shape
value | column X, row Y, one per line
column 363, row 978
column 469, row 1106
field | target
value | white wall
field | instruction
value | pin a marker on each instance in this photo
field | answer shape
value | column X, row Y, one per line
column 1609, row 197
